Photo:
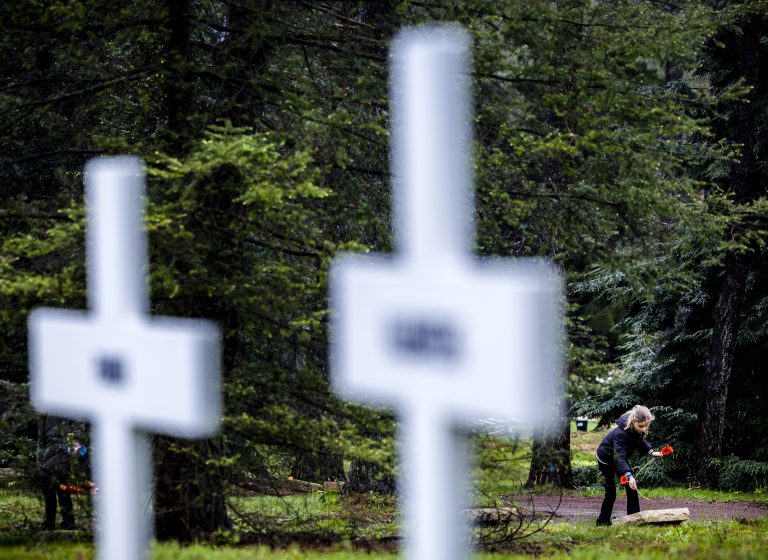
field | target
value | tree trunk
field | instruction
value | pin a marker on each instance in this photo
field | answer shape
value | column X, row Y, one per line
column 551, row 455
column 713, row 398
column 190, row 489
column 190, row 493
column 364, row 477
column 318, row 467
column 177, row 85
column 745, row 184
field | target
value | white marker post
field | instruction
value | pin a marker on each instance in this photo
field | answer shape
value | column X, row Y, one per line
column 433, row 332
column 124, row 371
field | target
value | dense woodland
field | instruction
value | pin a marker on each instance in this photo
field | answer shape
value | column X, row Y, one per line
column 625, row 140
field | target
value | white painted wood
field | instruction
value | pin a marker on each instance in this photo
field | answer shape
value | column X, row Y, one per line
column 121, row 369
column 434, row 332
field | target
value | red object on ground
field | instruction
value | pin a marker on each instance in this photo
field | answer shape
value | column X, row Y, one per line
column 667, row 450
column 623, row 480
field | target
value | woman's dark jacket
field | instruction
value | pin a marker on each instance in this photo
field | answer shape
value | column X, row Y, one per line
column 53, row 458
column 619, row 444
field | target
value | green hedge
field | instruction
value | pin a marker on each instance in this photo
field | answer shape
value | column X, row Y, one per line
column 736, row 474
column 651, row 477
column 586, row 476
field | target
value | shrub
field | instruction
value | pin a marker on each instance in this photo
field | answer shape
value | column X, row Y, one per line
column 735, row 474
column 585, row 476
column 651, row 477
column 655, row 474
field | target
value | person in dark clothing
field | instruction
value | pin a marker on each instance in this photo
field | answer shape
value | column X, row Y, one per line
column 57, row 452
column 613, row 455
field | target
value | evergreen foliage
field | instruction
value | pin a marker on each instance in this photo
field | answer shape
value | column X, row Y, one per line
column 694, row 327
column 264, row 128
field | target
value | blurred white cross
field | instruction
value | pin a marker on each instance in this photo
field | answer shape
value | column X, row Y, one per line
column 438, row 334
column 126, row 372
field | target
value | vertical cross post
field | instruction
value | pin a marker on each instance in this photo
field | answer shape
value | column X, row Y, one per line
column 115, row 239
column 431, row 144
column 126, row 372
column 117, row 291
column 436, row 334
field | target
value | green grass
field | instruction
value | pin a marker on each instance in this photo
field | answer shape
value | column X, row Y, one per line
column 693, row 540
column 501, row 468
column 175, row 552
column 16, row 505
column 325, row 513
column 298, row 507
column 22, row 512
column 579, row 541
column 584, row 445
column 370, row 517
column 684, row 493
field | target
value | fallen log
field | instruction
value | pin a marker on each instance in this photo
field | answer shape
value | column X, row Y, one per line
column 280, row 487
column 6, row 473
column 492, row 516
column 654, row 516
column 333, row 485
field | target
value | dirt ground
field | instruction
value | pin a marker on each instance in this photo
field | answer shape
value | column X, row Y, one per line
column 578, row 508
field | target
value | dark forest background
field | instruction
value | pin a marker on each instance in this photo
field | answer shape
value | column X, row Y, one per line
column 625, row 140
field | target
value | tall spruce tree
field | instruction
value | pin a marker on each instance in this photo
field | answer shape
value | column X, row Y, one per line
column 264, row 124
column 738, row 54
column 246, row 114
column 694, row 327
column 579, row 149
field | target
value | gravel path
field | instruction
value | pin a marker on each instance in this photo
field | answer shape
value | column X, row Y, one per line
column 577, row 508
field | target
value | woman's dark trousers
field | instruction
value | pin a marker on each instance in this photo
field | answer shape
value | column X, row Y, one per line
column 633, row 500
column 52, row 493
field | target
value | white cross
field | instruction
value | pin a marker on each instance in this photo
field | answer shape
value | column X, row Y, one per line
column 431, row 331
column 126, row 372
